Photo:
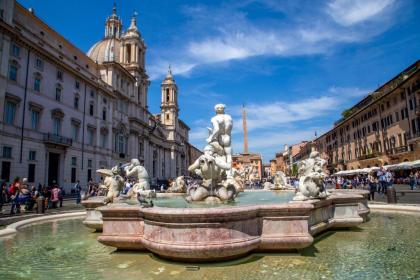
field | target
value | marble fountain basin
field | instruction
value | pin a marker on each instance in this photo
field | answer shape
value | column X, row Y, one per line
column 214, row 234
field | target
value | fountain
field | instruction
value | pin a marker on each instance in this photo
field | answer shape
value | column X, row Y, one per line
column 213, row 224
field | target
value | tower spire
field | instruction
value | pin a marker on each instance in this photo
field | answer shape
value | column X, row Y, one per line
column 245, row 129
column 114, row 8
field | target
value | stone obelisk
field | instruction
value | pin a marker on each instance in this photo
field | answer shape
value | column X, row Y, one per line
column 245, row 152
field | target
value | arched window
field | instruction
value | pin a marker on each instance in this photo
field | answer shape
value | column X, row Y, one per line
column 167, row 95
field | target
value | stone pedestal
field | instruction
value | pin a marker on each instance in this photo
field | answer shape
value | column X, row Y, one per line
column 93, row 216
column 212, row 234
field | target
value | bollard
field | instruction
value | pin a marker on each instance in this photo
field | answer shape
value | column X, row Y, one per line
column 391, row 194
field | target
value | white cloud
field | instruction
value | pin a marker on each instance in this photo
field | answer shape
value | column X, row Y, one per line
column 350, row 12
column 268, row 115
column 231, row 34
column 271, row 125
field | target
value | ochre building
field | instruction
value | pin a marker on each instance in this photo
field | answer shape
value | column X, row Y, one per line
column 383, row 128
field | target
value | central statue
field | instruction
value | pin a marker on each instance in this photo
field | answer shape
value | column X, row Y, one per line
column 215, row 165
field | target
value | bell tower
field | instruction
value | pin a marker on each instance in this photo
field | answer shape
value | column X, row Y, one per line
column 133, row 48
column 113, row 25
column 169, row 103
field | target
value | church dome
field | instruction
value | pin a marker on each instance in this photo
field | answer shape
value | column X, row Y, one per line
column 108, row 49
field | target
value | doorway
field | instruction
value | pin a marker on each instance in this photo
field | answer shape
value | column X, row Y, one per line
column 53, row 168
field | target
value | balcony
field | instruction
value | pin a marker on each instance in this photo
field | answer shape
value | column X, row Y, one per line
column 55, row 139
column 369, row 156
column 411, row 136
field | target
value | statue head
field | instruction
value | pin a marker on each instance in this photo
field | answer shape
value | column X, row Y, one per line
column 220, row 108
column 135, row 162
column 208, row 150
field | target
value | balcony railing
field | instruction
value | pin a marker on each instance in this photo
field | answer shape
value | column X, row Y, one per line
column 57, row 139
column 398, row 150
column 410, row 136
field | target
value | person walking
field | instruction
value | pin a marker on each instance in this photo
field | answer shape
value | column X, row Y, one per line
column 78, row 190
column 60, row 195
column 372, row 186
column 412, row 180
column 382, row 180
column 14, row 196
column 3, row 195
column 54, row 196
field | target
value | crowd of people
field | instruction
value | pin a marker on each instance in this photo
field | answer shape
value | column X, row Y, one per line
column 24, row 197
column 376, row 181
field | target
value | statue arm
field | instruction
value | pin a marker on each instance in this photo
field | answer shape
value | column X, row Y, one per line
column 222, row 164
column 130, row 172
column 215, row 130
column 195, row 165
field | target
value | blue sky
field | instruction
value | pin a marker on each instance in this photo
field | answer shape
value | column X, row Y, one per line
column 296, row 65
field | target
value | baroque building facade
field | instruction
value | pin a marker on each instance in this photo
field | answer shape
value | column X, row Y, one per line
column 65, row 113
column 383, row 128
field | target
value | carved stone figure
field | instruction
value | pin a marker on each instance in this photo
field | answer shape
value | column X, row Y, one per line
column 177, row 186
column 311, row 176
column 113, row 183
column 220, row 134
column 134, row 169
column 212, row 168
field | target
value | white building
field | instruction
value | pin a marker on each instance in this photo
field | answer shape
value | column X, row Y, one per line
column 64, row 114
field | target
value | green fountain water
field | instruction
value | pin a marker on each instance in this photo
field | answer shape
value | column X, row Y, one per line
column 387, row 247
column 243, row 199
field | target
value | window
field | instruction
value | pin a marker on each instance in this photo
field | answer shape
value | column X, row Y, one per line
column 13, row 72
column 5, row 171
column 9, row 112
column 92, row 94
column 39, row 64
column 76, row 102
column 32, row 155
column 104, row 114
column 89, row 174
column 15, row 51
column 58, row 93
column 90, row 136
column 73, row 175
column 91, row 107
column 56, row 126
column 75, row 132
column 74, row 161
column 121, row 143
column 89, row 165
column 34, row 120
column 410, row 103
column 59, row 75
column 77, row 84
column 104, row 140
column 31, row 172
column 7, row 152
column 167, row 95
column 37, row 84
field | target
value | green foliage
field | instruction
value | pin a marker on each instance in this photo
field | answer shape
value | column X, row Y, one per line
column 294, row 170
column 346, row 113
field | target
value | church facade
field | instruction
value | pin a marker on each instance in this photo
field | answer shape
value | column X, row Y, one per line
column 65, row 113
